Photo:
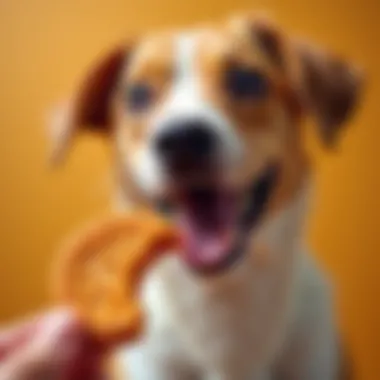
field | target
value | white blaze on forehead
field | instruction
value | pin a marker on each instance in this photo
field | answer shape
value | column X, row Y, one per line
column 184, row 60
column 186, row 98
column 185, row 94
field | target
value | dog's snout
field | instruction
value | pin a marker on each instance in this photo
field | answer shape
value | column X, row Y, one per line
column 186, row 139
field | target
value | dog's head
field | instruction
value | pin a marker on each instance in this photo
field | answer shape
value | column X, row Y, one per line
column 207, row 122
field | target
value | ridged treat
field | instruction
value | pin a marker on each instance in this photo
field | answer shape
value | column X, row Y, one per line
column 99, row 271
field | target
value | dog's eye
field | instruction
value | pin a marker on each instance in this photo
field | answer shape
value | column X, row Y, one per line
column 139, row 97
column 245, row 83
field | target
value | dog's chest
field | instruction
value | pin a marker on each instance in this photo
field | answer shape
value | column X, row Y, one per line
column 229, row 320
column 232, row 322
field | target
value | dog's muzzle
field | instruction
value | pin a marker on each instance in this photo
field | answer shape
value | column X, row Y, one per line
column 184, row 146
column 214, row 217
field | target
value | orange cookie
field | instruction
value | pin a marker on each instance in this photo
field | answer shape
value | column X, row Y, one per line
column 98, row 273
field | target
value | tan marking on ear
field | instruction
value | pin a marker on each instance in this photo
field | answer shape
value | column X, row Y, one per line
column 312, row 80
column 330, row 89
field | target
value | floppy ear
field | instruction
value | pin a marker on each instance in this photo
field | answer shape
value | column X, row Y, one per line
column 325, row 86
column 90, row 107
column 330, row 87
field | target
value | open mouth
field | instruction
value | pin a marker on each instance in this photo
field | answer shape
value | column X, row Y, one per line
column 215, row 220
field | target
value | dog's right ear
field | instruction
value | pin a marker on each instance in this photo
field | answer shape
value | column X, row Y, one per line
column 90, row 108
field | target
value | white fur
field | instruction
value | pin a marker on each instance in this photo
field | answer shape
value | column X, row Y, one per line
column 257, row 318
column 236, row 326
column 148, row 172
column 184, row 101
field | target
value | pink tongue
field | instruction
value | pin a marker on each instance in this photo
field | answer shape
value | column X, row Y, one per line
column 207, row 224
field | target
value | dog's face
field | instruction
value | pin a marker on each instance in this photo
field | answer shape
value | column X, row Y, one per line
column 206, row 122
column 198, row 107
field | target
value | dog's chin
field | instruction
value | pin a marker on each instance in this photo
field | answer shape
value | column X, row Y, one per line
column 214, row 220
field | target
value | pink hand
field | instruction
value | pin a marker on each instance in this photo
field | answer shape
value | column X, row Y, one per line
column 52, row 343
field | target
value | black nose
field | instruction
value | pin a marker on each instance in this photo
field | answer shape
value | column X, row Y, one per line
column 187, row 140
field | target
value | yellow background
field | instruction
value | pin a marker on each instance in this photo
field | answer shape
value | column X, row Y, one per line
column 46, row 45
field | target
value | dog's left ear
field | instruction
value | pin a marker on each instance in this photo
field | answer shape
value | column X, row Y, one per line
column 325, row 86
column 90, row 108
column 330, row 89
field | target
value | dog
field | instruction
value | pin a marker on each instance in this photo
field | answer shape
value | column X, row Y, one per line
column 206, row 126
